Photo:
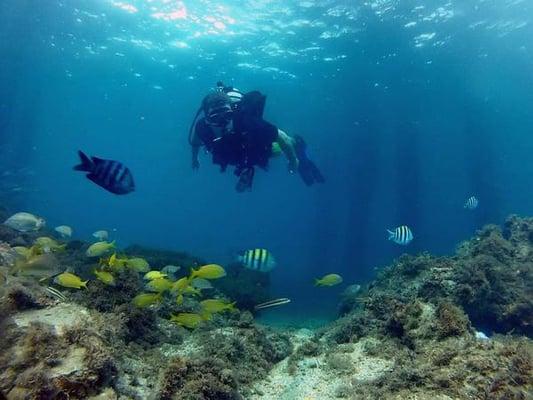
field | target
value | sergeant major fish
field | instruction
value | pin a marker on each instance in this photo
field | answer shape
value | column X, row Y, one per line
column 112, row 175
column 258, row 259
column 401, row 235
column 471, row 203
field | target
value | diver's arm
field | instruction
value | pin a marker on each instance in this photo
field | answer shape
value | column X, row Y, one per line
column 286, row 144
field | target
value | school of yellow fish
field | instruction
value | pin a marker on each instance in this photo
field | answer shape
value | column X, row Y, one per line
column 39, row 261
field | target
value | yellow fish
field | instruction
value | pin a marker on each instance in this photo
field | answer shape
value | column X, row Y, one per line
column 179, row 299
column 329, row 280
column 147, row 299
column 47, row 244
column 217, row 305
column 151, row 275
column 181, row 284
column 191, row 290
column 99, row 249
column 159, row 285
column 114, row 262
column 138, row 264
column 105, row 277
column 210, row 271
column 66, row 279
column 188, row 320
column 22, row 251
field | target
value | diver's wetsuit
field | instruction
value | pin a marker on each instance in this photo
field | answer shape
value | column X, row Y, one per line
column 248, row 145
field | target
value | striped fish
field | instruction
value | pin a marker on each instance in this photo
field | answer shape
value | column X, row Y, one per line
column 471, row 203
column 401, row 235
column 113, row 176
column 258, row 259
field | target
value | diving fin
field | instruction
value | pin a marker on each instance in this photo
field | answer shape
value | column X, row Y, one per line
column 307, row 169
column 246, row 178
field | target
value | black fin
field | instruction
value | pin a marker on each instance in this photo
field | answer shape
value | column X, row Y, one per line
column 86, row 163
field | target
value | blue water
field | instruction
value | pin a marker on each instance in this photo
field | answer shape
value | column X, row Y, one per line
column 409, row 108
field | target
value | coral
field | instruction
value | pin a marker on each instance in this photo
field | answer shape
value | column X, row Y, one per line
column 141, row 325
column 250, row 353
column 160, row 258
column 451, row 321
column 19, row 298
column 204, row 379
column 105, row 298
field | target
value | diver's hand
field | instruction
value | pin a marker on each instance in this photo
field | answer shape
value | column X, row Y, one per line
column 195, row 165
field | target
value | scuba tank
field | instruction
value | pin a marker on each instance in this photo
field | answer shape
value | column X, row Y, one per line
column 252, row 103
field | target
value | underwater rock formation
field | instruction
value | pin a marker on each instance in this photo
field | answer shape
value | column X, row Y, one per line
column 159, row 258
column 412, row 333
column 490, row 278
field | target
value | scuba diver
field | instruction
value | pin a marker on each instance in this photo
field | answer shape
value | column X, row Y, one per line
column 233, row 130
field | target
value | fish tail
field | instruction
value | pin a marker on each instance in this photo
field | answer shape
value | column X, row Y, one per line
column 84, row 284
column 318, row 283
column 193, row 274
column 232, row 306
column 391, row 234
column 86, row 163
column 112, row 244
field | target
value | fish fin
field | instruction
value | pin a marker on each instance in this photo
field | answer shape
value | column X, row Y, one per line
column 97, row 160
column 391, row 234
column 193, row 274
column 206, row 315
column 86, row 163
column 113, row 244
column 62, row 247
column 84, row 284
column 318, row 283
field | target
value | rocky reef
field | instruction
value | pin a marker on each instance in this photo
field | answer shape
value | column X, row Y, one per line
column 427, row 327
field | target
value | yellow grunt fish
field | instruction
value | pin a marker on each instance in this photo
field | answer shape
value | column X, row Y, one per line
column 188, row 320
column 329, row 280
column 99, row 249
column 151, row 275
column 66, row 279
column 217, row 305
column 147, row 299
column 210, row 271
column 105, row 277
column 138, row 264
column 159, row 285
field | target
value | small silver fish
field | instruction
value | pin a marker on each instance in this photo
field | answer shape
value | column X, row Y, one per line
column 171, row 270
column 25, row 222
column 200, row 283
column 64, row 230
column 101, row 235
